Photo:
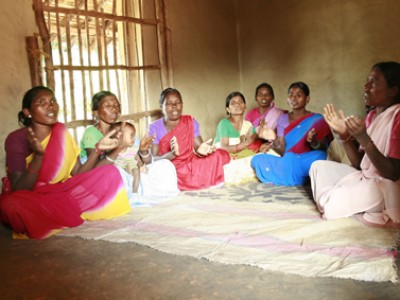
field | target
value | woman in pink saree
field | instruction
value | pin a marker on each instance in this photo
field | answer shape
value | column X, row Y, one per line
column 266, row 109
column 370, row 186
column 47, row 188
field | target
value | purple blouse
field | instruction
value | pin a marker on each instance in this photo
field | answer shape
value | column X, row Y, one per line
column 281, row 124
column 158, row 129
column 17, row 149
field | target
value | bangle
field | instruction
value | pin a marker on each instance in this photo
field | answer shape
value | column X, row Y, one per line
column 369, row 143
column 98, row 151
column 345, row 140
column 317, row 145
column 145, row 155
column 110, row 159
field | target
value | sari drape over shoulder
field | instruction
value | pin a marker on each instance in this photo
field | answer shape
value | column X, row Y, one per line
column 348, row 191
column 293, row 167
column 58, row 200
column 193, row 172
column 270, row 116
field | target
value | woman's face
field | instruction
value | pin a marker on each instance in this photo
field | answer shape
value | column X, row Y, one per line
column 172, row 107
column 376, row 90
column 297, row 99
column 109, row 109
column 44, row 109
column 264, row 97
column 237, row 106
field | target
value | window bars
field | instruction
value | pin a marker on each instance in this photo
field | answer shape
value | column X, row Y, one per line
column 85, row 46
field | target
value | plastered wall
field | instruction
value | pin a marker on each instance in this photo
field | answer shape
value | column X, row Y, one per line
column 204, row 57
column 219, row 46
column 16, row 22
column 330, row 45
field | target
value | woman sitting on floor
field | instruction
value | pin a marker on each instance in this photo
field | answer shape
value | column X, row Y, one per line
column 240, row 139
column 266, row 109
column 371, row 184
column 177, row 137
column 41, row 197
column 159, row 182
column 303, row 138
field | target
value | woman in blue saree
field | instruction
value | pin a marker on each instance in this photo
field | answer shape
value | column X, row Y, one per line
column 303, row 137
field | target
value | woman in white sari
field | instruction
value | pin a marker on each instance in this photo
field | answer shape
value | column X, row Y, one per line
column 370, row 186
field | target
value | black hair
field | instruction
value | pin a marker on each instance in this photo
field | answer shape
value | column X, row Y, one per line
column 391, row 72
column 267, row 86
column 166, row 92
column 96, row 99
column 27, row 100
column 301, row 85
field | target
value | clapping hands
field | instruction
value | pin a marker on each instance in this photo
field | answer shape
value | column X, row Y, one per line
column 265, row 132
column 342, row 125
column 205, row 148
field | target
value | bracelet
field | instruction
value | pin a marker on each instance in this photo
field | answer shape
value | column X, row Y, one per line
column 370, row 142
column 317, row 145
column 146, row 155
column 98, row 151
column 110, row 159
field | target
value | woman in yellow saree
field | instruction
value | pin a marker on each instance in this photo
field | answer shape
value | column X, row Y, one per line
column 49, row 189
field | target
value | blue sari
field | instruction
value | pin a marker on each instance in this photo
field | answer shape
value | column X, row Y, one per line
column 293, row 167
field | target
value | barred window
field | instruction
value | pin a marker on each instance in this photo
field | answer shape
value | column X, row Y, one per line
column 85, row 46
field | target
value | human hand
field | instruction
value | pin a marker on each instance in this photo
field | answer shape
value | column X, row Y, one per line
column 265, row 147
column 336, row 120
column 174, row 146
column 110, row 141
column 205, row 148
column 356, row 128
column 265, row 133
column 33, row 142
column 311, row 135
column 146, row 142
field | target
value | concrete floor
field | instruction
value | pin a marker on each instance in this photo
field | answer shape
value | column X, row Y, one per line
column 73, row 268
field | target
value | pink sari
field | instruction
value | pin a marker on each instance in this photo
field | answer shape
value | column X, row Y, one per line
column 358, row 191
column 57, row 200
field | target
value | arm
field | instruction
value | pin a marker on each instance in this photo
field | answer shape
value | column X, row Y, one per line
column 388, row 167
column 313, row 142
column 337, row 122
column 26, row 179
column 145, row 149
column 279, row 145
column 107, row 143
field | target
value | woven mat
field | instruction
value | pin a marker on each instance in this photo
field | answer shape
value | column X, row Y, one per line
column 273, row 228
